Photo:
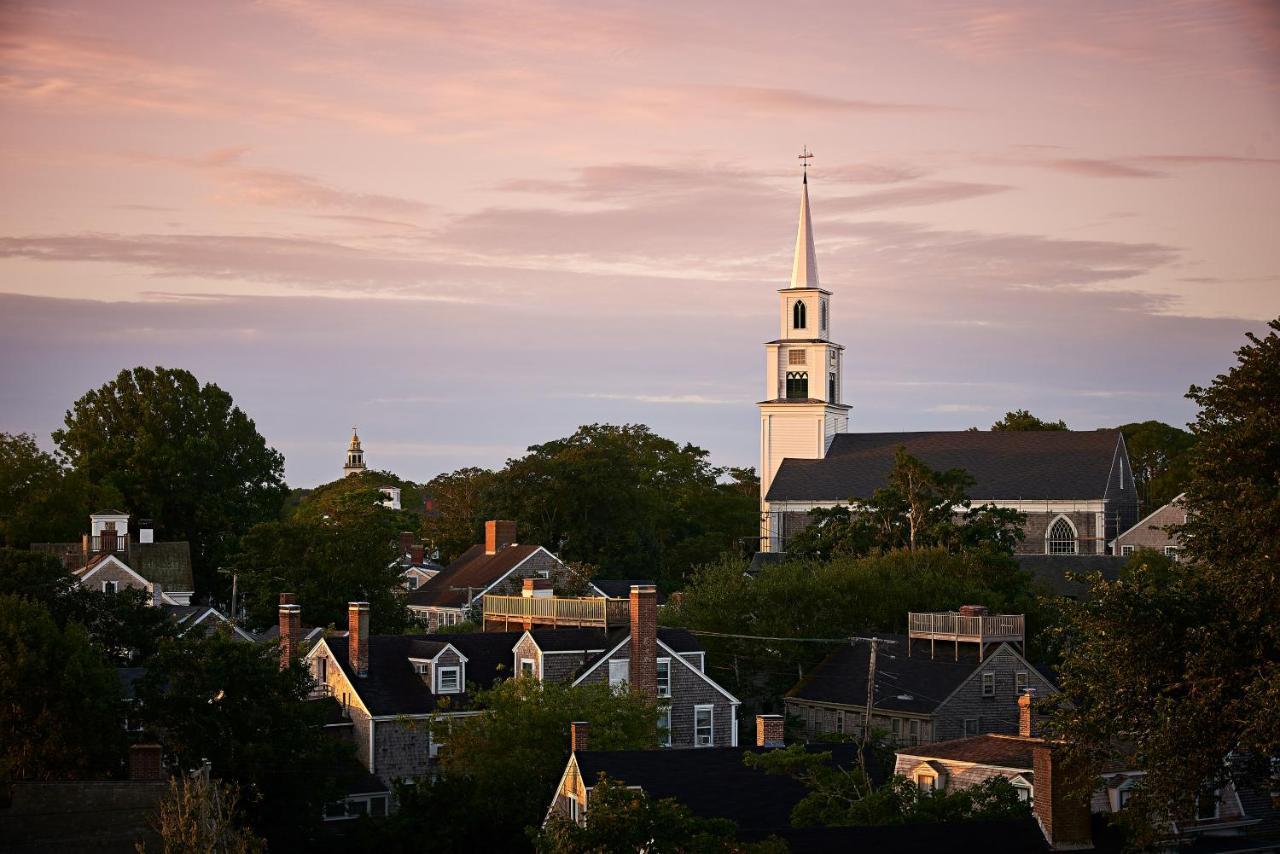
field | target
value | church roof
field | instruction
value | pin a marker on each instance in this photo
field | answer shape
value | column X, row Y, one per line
column 1006, row 465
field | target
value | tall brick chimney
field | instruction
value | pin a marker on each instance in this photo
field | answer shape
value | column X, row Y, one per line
column 358, row 637
column 973, row 610
column 1062, row 801
column 406, row 542
column 579, row 736
column 1028, row 719
column 644, row 640
column 769, row 731
column 498, row 534
column 145, row 763
column 290, row 628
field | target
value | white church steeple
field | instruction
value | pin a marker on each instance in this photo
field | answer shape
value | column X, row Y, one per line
column 355, row 456
column 802, row 410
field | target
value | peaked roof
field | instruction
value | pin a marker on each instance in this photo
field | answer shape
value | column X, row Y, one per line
column 471, row 572
column 1005, row 464
column 166, row 563
column 804, row 269
column 1001, row 751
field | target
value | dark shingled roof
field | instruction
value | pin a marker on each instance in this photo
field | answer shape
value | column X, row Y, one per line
column 471, row 572
column 1007, row 465
column 920, row 683
column 166, row 563
column 1002, row 751
column 712, row 782
column 1050, row 571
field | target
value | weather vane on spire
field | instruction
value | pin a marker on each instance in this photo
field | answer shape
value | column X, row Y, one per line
column 804, row 156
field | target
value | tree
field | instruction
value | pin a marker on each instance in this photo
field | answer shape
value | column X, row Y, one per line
column 40, row 500
column 1021, row 419
column 845, row 797
column 200, row 814
column 513, row 754
column 35, row 575
column 1182, row 664
column 179, row 453
column 338, row 550
column 625, row 820
column 457, row 505
column 1161, row 459
column 60, row 713
column 228, row 702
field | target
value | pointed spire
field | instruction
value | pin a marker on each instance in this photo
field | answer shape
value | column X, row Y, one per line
column 804, row 270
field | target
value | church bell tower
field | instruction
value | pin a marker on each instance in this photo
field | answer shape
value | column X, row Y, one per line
column 355, row 456
column 802, row 409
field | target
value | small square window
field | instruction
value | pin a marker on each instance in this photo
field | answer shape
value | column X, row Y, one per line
column 1127, row 550
column 988, row 684
column 795, row 357
column 420, row 667
column 926, row 782
column 449, row 681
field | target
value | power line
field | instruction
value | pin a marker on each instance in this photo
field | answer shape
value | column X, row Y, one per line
column 847, row 639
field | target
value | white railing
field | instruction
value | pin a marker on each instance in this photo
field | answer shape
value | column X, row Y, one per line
column 556, row 611
column 951, row 625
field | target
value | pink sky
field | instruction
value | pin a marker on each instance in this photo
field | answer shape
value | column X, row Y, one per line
column 469, row 227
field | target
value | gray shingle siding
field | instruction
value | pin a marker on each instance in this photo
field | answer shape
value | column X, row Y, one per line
column 997, row 714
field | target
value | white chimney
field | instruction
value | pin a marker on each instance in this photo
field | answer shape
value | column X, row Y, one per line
column 146, row 531
column 157, row 594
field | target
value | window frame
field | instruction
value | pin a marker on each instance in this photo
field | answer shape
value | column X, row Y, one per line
column 799, row 315
column 440, row 672
column 801, row 387
column 927, row 782
column 797, row 357
column 1216, row 795
column 1125, row 551
column 614, row 682
column 988, row 680
column 1050, row 542
column 710, row 709
column 664, row 685
column 976, row 728
column 1021, row 681
column 664, row 714
column 533, row 667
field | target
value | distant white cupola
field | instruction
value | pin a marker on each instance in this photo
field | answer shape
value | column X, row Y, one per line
column 355, row 456
column 802, row 409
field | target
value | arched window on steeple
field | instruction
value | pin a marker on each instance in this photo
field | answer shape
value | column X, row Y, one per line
column 797, row 385
column 1061, row 538
column 797, row 315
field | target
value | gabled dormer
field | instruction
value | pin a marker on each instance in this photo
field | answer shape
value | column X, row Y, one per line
column 440, row 665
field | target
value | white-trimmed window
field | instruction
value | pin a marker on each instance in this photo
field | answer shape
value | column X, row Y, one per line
column 573, row 807
column 413, row 582
column 528, row 667
column 664, row 677
column 619, row 671
column 419, row 667
column 448, row 680
column 322, row 670
column 1020, row 681
column 109, row 587
column 927, row 782
column 988, row 684
column 1024, row 792
column 1208, row 805
column 970, row 727
column 1128, row 550
column 1061, row 537
column 664, row 726
column 704, row 733
column 795, row 357
column 1171, row 552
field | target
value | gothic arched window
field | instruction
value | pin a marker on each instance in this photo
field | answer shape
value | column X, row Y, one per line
column 1061, row 539
column 797, row 385
column 797, row 315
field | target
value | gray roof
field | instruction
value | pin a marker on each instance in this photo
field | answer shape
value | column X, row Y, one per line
column 166, row 563
column 1050, row 571
column 1005, row 465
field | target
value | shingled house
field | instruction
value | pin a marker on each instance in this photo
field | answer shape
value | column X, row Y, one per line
column 402, row 692
column 110, row 558
column 954, row 674
column 1075, row 487
column 1152, row 532
column 498, row 565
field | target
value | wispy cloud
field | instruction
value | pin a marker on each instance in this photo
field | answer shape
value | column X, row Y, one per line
column 662, row 399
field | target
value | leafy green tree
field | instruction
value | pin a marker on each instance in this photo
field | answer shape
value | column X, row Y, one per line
column 513, row 754
column 460, row 503
column 35, row 575
column 1021, row 419
column 1160, row 455
column 336, row 549
column 1182, row 664
column 60, row 713
column 357, row 492
column 180, row 453
column 624, row 820
column 228, row 702
column 40, row 499
column 831, row 599
column 845, row 797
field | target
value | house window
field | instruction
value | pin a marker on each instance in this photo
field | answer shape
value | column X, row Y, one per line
column 419, row 667
column 573, row 808
column 927, row 782
column 1171, row 552
column 970, row 726
column 619, row 672
column 988, row 684
column 1020, row 681
column 527, row 668
column 322, row 670
column 1207, row 806
column 1122, row 797
column 703, row 726
column 1127, row 550
column 914, row 732
column 1024, row 792
column 824, row 314
column 449, row 681
column 413, row 582
column 664, row 726
column 798, row 315
column 108, row 587
column 895, row 726
column 795, row 357
column 664, row 677
column 797, row 385
column 1061, row 539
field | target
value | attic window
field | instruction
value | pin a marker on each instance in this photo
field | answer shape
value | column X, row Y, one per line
column 419, row 667
column 448, row 681
column 108, row 587
column 927, row 782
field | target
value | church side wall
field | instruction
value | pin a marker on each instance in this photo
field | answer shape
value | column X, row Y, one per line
column 1037, row 526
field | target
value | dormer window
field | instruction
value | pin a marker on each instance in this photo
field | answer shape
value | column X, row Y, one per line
column 449, row 680
column 108, row 587
column 420, row 667
column 798, row 315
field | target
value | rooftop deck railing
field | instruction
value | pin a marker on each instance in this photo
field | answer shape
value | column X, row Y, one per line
column 962, row 628
column 556, row 611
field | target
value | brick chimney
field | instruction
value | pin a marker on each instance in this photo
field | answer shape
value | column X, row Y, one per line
column 406, row 542
column 145, row 763
column 1061, row 802
column 1028, row 719
column 498, row 534
column 579, row 736
column 290, row 628
column 973, row 610
column 358, row 637
column 644, row 640
column 769, row 731
column 537, row 587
